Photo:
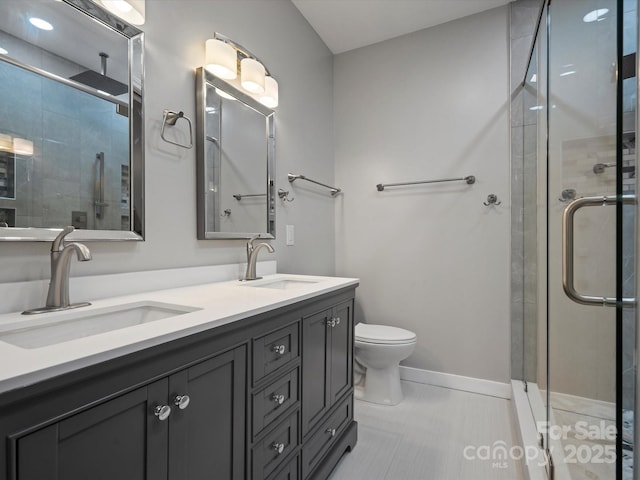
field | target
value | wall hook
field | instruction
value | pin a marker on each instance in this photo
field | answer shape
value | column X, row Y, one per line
column 284, row 195
column 226, row 213
column 170, row 118
column 492, row 199
column 567, row 195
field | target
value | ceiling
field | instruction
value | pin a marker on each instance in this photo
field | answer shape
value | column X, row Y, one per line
column 347, row 24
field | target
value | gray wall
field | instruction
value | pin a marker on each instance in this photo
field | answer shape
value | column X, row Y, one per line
column 176, row 31
column 432, row 259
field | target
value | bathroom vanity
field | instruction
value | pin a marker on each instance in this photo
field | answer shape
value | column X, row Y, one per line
column 255, row 382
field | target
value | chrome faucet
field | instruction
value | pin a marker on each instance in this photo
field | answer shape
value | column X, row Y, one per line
column 252, row 257
column 58, row 296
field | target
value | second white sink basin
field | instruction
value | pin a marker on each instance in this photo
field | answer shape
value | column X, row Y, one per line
column 50, row 329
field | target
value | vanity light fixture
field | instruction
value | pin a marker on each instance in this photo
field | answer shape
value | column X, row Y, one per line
column 19, row 146
column 40, row 23
column 22, row 147
column 221, row 59
column 252, row 75
column 131, row 11
column 224, row 57
column 270, row 96
column 6, row 142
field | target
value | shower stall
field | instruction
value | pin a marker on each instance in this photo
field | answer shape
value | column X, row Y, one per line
column 575, row 241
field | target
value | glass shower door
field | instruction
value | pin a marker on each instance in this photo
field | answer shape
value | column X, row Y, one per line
column 590, row 243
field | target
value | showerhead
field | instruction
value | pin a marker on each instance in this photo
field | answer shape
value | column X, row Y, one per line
column 100, row 81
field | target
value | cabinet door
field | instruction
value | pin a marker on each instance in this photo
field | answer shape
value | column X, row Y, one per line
column 121, row 438
column 341, row 355
column 315, row 368
column 207, row 437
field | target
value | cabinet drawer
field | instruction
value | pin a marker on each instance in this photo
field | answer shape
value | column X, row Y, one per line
column 270, row 402
column 316, row 446
column 291, row 470
column 269, row 453
column 274, row 350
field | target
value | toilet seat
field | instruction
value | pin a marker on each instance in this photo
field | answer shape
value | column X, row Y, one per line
column 383, row 334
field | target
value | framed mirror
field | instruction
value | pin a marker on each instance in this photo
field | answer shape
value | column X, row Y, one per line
column 235, row 137
column 71, row 122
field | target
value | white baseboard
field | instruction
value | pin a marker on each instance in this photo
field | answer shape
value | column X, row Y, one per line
column 456, row 382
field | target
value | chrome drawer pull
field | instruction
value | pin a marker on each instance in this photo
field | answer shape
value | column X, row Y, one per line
column 162, row 412
column 278, row 398
column 332, row 431
column 182, row 401
column 279, row 349
column 278, row 447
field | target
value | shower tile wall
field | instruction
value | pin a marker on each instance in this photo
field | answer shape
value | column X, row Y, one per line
column 524, row 14
column 70, row 128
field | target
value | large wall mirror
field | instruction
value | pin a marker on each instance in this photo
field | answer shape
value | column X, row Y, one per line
column 71, row 122
column 235, row 154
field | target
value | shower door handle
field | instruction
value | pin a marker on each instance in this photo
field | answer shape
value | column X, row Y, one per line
column 567, row 250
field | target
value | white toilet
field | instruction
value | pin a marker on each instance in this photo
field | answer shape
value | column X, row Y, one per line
column 381, row 348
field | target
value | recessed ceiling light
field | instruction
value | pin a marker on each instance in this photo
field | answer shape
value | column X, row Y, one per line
column 41, row 24
column 595, row 15
column 3, row 51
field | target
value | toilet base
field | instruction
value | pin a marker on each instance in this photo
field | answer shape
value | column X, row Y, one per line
column 382, row 386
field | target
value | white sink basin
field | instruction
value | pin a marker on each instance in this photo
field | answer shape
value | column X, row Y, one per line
column 280, row 284
column 52, row 328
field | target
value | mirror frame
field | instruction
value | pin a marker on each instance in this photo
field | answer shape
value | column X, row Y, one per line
column 136, row 138
column 204, row 78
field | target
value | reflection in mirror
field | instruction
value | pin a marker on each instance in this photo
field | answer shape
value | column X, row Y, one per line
column 235, row 171
column 71, row 147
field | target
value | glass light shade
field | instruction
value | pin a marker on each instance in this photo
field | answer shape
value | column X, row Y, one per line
column 6, row 142
column 252, row 75
column 270, row 96
column 22, row 146
column 221, row 59
column 132, row 11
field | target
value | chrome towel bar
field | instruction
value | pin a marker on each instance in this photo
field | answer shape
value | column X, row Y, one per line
column 239, row 196
column 292, row 178
column 470, row 179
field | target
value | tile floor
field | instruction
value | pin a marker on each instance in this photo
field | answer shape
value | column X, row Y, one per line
column 427, row 435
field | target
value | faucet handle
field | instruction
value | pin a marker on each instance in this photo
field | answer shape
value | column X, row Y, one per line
column 58, row 242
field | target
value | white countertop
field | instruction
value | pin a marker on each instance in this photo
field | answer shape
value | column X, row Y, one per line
column 218, row 303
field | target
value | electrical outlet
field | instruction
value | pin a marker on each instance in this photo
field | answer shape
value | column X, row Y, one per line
column 290, row 235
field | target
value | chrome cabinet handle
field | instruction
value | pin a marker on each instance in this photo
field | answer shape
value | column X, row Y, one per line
column 162, row 412
column 182, row 401
column 278, row 447
column 333, row 322
column 331, row 431
column 567, row 250
column 278, row 398
column 279, row 349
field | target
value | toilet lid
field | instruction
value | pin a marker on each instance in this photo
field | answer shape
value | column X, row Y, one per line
column 382, row 334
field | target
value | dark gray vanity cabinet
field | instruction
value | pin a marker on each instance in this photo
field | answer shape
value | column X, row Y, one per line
column 187, row 426
column 327, row 381
column 116, row 439
column 268, row 397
